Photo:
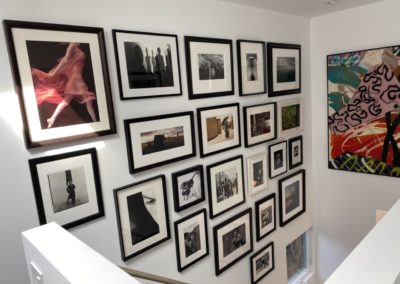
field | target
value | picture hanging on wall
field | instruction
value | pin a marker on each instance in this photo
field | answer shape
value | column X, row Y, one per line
column 277, row 156
column 363, row 111
column 61, row 77
column 295, row 151
column 262, row 263
column 265, row 216
column 290, row 117
column 147, row 64
column 257, row 173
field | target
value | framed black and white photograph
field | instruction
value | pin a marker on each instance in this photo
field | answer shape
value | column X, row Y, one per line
column 265, row 216
column 147, row 64
column 61, row 78
column 233, row 240
column 284, row 69
column 259, row 124
column 209, row 66
column 188, row 187
column 295, row 151
column 191, row 239
column 292, row 197
column 157, row 140
column 142, row 215
column 277, row 154
column 67, row 188
column 252, row 67
column 225, row 185
column 219, row 128
column 290, row 117
column 262, row 263
column 257, row 173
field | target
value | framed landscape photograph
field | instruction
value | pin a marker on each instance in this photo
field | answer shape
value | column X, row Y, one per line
column 292, row 197
column 209, row 66
column 252, row 67
column 219, row 128
column 225, row 185
column 295, row 151
column 290, row 117
column 147, row 64
column 277, row 154
column 257, row 173
column 259, row 124
column 265, row 216
column 142, row 215
column 191, row 239
column 67, row 188
column 188, row 187
column 284, row 69
column 233, row 240
column 157, row 140
column 61, row 78
column 262, row 263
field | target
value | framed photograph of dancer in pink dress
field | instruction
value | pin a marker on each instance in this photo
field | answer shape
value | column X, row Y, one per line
column 61, row 78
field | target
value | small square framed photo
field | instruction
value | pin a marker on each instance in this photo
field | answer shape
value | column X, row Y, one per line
column 290, row 117
column 295, row 151
column 67, row 188
column 262, row 263
column 259, row 124
column 142, row 216
column 277, row 154
column 252, row 67
column 265, row 216
column 209, row 68
column 219, row 128
column 257, row 173
column 284, row 69
column 292, row 197
column 188, row 187
column 147, row 64
column 233, row 240
column 191, row 239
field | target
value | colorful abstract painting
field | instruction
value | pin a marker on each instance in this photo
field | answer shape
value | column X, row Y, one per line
column 364, row 111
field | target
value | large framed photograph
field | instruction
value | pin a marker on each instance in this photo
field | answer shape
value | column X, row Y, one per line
column 188, row 187
column 67, row 188
column 61, row 77
column 277, row 154
column 259, row 124
column 142, row 216
column 290, row 117
column 265, row 216
column 147, row 64
column 233, row 240
column 257, row 173
column 284, row 69
column 292, row 197
column 295, row 151
column 225, row 185
column 252, row 67
column 219, row 128
column 157, row 140
column 262, row 263
column 209, row 68
column 191, row 239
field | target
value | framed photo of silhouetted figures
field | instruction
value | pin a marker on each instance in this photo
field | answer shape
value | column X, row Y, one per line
column 158, row 140
column 142, row 215
column 61, row 78
column 147, row 64
column 265, row 216
column 277, row 156
column 262, row 263
column 67, row 188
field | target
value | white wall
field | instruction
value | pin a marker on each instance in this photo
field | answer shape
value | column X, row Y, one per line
column 182, row 17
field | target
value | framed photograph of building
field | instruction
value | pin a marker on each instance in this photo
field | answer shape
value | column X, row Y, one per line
column 257, row 173
column 265, row 216
column 209, row 68
column 295, row 151
column 142, row 216
column 158, row 140
column 262, row 263
column 61, row 78
column 290, row 117
column 147, row 64
column 67, row 188
column 277, row 155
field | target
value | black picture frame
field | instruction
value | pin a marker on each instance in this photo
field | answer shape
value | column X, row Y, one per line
column 265, row 210
column 277, row 159
column 295, row 145
column 262, row 263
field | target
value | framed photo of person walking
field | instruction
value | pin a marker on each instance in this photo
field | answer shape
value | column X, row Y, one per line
column 61, row 77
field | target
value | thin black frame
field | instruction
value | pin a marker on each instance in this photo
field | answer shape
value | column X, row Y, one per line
column 257, row 213
column 290, row 142
column 271, row 244
column 270, row 160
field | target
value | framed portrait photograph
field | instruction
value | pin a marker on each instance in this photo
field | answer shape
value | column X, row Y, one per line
column 142, row 216
column 292, row 197
column 219, row 128
column 259, row 124
column 252, row 67
column 61, row 78
column 233, row 240
column 290, row 117
column 209, row 66
column 67, row 188
column 157, row 140
column 277, row 154
column 147, row 64
column 188, row 187
column 262, row 263
column 295, row 151
column 284, row 69
column 191, row 239
column 265, row 216
column 257, row 173
column 225, row 185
